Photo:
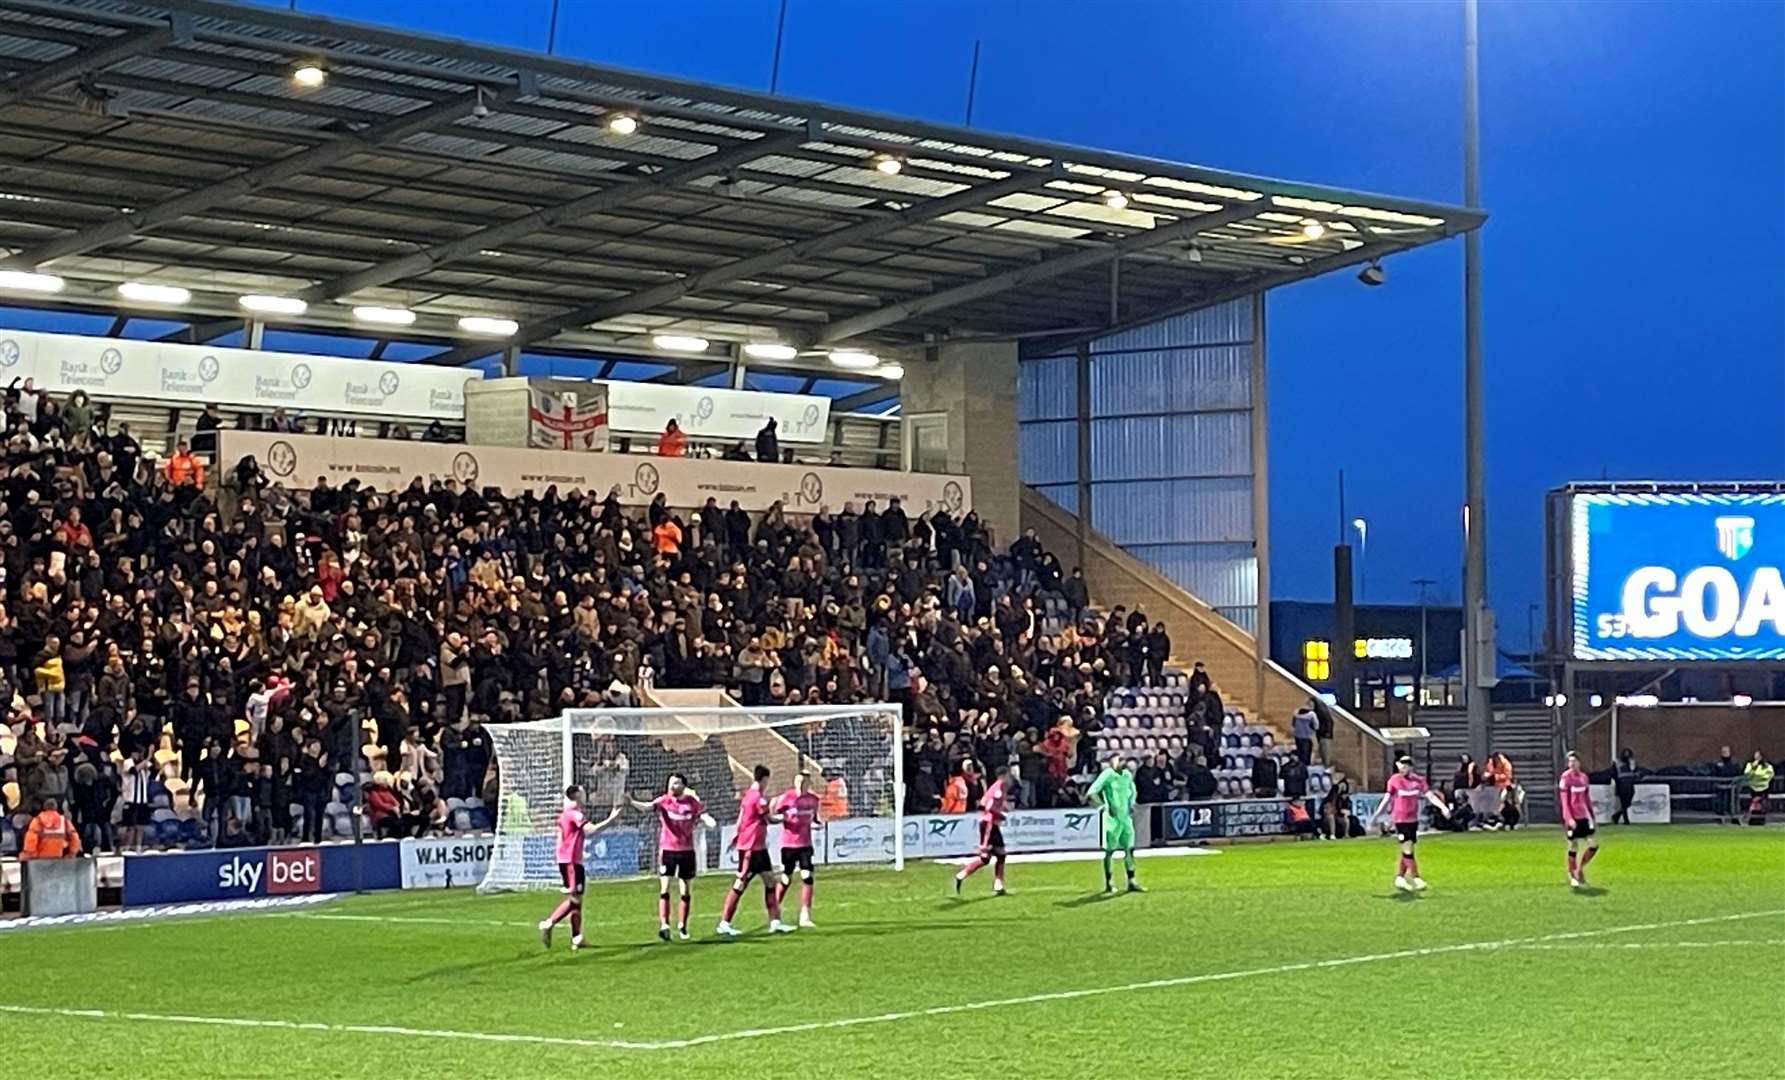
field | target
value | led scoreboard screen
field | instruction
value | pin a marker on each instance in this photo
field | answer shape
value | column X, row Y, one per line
column 1678, row 576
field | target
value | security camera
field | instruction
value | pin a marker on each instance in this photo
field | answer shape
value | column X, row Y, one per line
column 1372, row 275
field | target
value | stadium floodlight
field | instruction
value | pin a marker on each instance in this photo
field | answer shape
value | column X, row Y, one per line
column 770, row 350
column 274, row 305
column 888, row 164
column 483, row 324
column 680, row 342
column 26, row 281
column 854, row 359
column 389, row 316
column 309, row 74
column 1373, row 274
column 852, row 753
column 1115, row 200
column 147, row 292
column 893, row 371
column 622, row 123
column 1312, row 229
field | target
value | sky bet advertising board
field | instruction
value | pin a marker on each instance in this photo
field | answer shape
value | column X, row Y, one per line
column 1678, row 577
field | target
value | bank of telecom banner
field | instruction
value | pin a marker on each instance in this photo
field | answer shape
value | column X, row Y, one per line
column 1678, row 576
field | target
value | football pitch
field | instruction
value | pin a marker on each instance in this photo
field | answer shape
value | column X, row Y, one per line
column 1271, row 960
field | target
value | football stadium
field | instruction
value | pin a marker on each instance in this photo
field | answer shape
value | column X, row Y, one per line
column 531, row 568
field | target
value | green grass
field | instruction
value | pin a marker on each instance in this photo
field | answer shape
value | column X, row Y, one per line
column 1677, row 1000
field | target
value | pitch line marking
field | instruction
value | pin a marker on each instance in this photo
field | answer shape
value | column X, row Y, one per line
column 879, row 1018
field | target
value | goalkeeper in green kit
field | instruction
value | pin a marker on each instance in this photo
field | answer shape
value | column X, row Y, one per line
column 1113, row 790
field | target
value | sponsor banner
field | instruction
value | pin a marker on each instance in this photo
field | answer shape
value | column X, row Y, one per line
column 1650, row 804
column 1181, row 822
column 647, row 408
column 246, row 872
column 613, row 853
column 858, row 840
column 567, row 420
column 1250, row 817
column 1365, row 803
column 941, row 836
column 1678, row 576
column 1053, row 830
column 446, row 863
column 237, row 378
column 687, row 483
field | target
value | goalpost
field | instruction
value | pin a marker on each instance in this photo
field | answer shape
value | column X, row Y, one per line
column 854, row 754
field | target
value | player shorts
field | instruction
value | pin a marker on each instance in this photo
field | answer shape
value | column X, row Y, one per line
column 574, row 876
column 678, row 864
column 991, row 840
column 1408, row 831
column 1118, row 834
column 1583, row 830
column 754, row 862
column 795, row 858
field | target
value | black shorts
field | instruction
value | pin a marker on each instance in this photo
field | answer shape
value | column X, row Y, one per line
column 676, row 864
column 754, row 862
column 137, row 815
column 795, row 858
column 1583, row 830
column 1408, row 831
column 991, row 840
column 573, row 876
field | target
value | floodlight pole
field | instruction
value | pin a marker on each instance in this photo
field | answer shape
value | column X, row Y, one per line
column 1475, row 613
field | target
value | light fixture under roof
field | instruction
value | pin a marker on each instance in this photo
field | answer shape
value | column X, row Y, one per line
column 622, row 123
column 26, row 281
column 484, row 324
column 1312, row 229
column 888, row 164
column 274, row 305
column 146, row 292
column 1115, row 200
column 854, row 359
column 680, row 342
column 770, row 350
column 390, row 316
column 891, row 370
column 309, row 74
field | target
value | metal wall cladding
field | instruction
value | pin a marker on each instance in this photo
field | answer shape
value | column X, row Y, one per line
column 1224, row 576
column 1138, row 513
column 1065, row 496
column 1193, row 444
column 1222, row 324
column 1172, row 380
column 1047, row 389
column 1047, row 452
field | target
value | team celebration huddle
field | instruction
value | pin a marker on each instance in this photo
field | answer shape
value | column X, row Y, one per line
column 796, row 810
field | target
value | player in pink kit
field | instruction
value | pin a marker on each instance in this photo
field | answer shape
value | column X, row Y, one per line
column 1406, row 790
column 677, row 810
column 993, row 805
column 798, row 809
column 1574, row 794
column 752, row 844
column 573, row 828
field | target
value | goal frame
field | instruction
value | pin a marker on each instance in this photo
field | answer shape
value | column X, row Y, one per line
column 569, row 723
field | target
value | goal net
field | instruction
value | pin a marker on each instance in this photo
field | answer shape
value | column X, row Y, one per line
column 852, row 754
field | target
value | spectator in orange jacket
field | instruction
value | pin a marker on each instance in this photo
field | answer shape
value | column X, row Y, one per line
column 51, row 835
column 955, row 797
column 672, row 442
column 667, row 537
column 1499, row 770
column 184, row 469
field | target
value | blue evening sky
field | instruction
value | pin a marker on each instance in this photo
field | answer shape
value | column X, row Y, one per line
column 1633, row 158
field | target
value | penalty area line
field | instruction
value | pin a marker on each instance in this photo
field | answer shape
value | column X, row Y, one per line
column 878, row 1018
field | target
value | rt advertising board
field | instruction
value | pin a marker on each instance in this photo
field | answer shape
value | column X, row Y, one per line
column 1677, row 576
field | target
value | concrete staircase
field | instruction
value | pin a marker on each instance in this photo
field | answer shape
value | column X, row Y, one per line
column 1243, row 671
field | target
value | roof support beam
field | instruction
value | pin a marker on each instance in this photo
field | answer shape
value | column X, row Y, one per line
column 1047, row 269
column 607, row 198
column 322, row 156
column 671, row 291
column 101, row 55
column 198, row 333
column 861, row 399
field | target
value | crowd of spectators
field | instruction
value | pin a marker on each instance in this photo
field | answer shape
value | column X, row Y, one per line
column 152, row 644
